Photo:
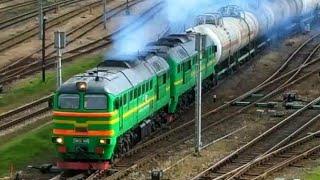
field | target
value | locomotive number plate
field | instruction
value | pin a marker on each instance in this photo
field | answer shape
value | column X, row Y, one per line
column 81, row 140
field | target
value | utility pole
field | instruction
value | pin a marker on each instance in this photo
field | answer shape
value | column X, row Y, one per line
column 199, row 48
column 44, row 47
column 104, row 14
column 59, row 68
column 40, row 4
column 127, row 9
column 56, row 9
column 90, row 9
column 59, row 44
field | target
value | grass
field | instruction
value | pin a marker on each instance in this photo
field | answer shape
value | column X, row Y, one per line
column 34, row 146
column 19, row 152
column 313, row 174
column 29, row 89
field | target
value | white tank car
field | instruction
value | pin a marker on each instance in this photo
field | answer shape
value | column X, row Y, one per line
column 296, row 7
column 232, row 32
column 280, row 11
column 266, row 18
column 309, row 5
column 271, row 14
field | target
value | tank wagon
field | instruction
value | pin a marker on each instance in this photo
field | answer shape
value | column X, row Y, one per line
column 103, row 113
column 232, row 28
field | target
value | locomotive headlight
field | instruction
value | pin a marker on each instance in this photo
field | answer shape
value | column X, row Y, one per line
column 103, row 141
column 59, row 140
column 82, row 86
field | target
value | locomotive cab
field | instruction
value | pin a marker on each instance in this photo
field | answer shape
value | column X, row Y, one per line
column 83, row 125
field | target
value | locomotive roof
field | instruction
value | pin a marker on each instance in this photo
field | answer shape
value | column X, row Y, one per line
column 119, row 73
column 178, row 46
column 185, row 50
column 115, row 77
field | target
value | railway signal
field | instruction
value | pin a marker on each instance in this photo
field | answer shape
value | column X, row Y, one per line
column 43, row 49
column 59, row 43
column 57, row 6
column 127, row 8
column 104, row 14
column 40, row 4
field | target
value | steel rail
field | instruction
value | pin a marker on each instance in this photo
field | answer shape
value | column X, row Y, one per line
column 290, row 161
column 31, row 14
column 263, row 136
column 270, row 155
column 18, row 5
column 13, row 41
column 13, row 71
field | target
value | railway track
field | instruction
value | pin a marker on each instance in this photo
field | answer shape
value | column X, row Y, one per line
column 6, row 23
column 32, row 110
column 247, row 173
column 14, row 68
column 17, row 5
column 71, row 176
column 182, row 128
column 24, row 113
column 29, row 65
column 271, row 139
column 281, row 158
column 21, row 37
column 279, row 81
column 5, row 1
column 142, row 154
column 302, row 55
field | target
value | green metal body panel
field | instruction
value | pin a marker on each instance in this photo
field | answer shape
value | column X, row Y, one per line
column 183, row 75
column 129, row 114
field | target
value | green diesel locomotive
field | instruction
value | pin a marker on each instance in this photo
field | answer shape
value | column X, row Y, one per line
column 105, row 111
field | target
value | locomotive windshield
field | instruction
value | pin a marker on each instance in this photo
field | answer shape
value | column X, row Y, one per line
column 69, row 101
column 95, row 102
